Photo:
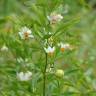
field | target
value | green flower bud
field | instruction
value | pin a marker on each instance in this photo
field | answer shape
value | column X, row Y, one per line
column 59, row 73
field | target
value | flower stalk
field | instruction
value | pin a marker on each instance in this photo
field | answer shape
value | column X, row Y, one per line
column 44, row 75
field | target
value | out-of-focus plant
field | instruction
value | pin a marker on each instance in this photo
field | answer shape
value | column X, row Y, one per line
column 39, row 55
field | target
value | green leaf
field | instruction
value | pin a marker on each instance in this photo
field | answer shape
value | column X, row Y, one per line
column 66, row 26
column 37, row 32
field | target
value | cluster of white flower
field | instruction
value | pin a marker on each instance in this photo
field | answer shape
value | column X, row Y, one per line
column 50, row 50
column 26, row 33
column 54, row 18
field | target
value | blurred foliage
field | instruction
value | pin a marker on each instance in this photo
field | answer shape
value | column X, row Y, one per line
column 78, row 64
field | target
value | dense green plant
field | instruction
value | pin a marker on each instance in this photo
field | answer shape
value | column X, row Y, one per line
column 42, row 53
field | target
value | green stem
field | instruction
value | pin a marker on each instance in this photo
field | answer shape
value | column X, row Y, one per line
column 44, row 76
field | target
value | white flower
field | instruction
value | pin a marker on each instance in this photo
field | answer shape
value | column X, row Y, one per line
column 50, row 50
column 4, row 48
column 53, row 18
column 25, row 33
column 24, row 76
column 64, row 46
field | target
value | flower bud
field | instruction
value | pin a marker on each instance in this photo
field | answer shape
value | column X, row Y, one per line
column 59, row 73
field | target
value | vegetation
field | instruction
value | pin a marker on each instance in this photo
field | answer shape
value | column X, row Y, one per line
column 47, row 47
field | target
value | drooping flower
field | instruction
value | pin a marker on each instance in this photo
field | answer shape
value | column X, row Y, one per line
column 24, row 76
column 50, row 50
column 64, row 46
column 54, row 18
column 4, row 48
column 25, row 33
